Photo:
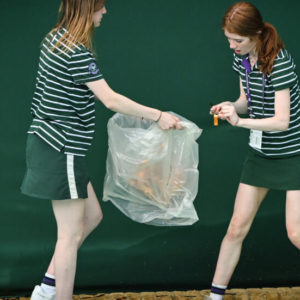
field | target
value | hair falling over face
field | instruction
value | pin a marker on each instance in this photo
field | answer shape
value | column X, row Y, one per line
column 244, row 19
column 76, row 16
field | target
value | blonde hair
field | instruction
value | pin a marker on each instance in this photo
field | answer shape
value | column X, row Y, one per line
column 76, row 16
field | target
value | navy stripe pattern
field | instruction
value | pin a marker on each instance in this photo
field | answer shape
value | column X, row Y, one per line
column 216, row 290
column 63, row 108
column 274, row 143
column 48, row 281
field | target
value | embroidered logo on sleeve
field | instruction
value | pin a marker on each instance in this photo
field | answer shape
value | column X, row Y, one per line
column 93, row 69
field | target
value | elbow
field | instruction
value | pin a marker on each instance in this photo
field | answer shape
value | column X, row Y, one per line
column 281, row 123
column 109, row 105
column 284, row 125
column 110, row 102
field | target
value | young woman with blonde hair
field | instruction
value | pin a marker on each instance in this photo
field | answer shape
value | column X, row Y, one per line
column 61, row 133
column 270, row 94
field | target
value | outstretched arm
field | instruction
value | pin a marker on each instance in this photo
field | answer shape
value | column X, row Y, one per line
column 119, row 103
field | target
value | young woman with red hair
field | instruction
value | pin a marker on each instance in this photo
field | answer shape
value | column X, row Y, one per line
column 61, row 133
column 270, row 95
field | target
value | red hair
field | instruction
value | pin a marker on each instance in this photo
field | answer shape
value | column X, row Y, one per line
column 244, row 19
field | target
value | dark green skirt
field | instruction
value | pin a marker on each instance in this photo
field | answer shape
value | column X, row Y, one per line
column 272, row 173
column 51, row 174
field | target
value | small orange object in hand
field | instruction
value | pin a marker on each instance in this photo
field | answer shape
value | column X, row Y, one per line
column 216, row 120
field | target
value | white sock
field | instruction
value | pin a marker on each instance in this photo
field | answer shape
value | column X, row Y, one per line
column 48, row 284
column 215, row 296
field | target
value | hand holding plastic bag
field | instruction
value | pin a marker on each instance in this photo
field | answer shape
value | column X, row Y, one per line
column 152, row 175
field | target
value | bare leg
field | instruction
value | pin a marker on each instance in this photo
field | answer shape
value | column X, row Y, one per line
column 293, row 217
column 93, row 216
column 247, row 202
column 69, row 216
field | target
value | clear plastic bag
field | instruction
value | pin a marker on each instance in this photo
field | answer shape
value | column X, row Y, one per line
column 151, row 174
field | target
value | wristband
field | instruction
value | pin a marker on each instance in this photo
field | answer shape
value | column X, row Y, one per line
column 159, row 117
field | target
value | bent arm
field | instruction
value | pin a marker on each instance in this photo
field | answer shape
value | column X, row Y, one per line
column 280, row 120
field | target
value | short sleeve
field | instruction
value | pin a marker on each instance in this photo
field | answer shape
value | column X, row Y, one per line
column 283, row 73
column 83, row 67
column 236, row 63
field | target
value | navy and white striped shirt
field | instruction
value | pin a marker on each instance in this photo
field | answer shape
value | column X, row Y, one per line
column 63, row 107
column 274, row 143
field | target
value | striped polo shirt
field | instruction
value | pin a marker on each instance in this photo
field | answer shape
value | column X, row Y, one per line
column 274, row 143
column 63, row 107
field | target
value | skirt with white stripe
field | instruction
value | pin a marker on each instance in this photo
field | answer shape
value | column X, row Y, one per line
column 51, row 174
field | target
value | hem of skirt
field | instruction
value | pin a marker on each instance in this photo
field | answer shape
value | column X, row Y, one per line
column 270, row 186
column 35, row 195
column 40, row 196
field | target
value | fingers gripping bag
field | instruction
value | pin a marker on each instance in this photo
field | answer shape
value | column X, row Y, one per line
column 151, row 174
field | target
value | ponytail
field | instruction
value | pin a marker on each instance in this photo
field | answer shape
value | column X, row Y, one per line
column 268, row 47
column 244, row 19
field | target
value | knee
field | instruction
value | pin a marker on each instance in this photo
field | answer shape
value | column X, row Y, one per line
column 294, row 237
column 236, row 231
column 71, row 239
column 94, row 220
column 98, row 218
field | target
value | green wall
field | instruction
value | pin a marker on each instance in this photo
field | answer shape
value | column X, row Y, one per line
column 168, row 54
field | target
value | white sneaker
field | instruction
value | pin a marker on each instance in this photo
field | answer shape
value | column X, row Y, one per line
column 38, row 294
